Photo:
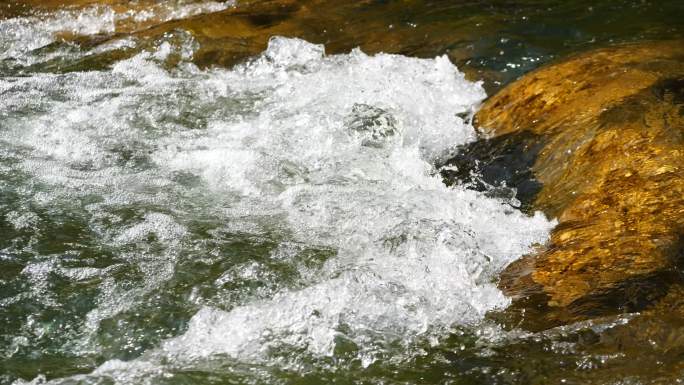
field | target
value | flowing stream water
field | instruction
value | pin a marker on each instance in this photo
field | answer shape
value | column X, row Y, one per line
column 279, row 220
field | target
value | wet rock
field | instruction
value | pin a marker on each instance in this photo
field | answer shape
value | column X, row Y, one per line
column 496, row 165
column 231, row 34
column 596, row 141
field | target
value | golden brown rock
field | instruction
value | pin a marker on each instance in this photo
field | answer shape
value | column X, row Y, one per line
column 229, row 36
column 609, row 128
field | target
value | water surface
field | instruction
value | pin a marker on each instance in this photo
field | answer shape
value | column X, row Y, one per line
column 188, row 199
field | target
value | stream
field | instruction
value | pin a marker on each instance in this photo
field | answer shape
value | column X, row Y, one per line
column 171, row 217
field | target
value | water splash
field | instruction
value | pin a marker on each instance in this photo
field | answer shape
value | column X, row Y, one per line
column 21, row 37
column 331, row 151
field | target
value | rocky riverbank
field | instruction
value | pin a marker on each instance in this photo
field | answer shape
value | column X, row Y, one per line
column 596, row 141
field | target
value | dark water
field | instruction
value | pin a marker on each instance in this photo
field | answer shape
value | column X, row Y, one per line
column 165, row 218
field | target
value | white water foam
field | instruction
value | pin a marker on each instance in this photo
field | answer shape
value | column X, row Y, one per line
column 181, row 10
column 21, row 35
column 334, row 151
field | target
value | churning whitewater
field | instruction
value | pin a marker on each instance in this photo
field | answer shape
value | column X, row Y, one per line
column 328, row 157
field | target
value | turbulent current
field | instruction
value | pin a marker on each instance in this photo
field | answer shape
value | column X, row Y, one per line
column 282, row 214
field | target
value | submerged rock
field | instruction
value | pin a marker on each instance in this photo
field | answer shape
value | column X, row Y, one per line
column 597, row 142
column 229, row 32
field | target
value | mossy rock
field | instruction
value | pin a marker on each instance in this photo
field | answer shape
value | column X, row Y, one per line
column 596, row 141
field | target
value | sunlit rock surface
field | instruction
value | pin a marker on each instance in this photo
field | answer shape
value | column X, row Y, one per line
column 598, row 142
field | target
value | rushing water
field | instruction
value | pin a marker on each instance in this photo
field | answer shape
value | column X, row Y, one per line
column 277, row 221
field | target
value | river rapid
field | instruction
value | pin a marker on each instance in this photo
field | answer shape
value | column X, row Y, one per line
column 279, row 220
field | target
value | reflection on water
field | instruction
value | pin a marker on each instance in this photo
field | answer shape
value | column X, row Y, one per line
column 166, row 217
